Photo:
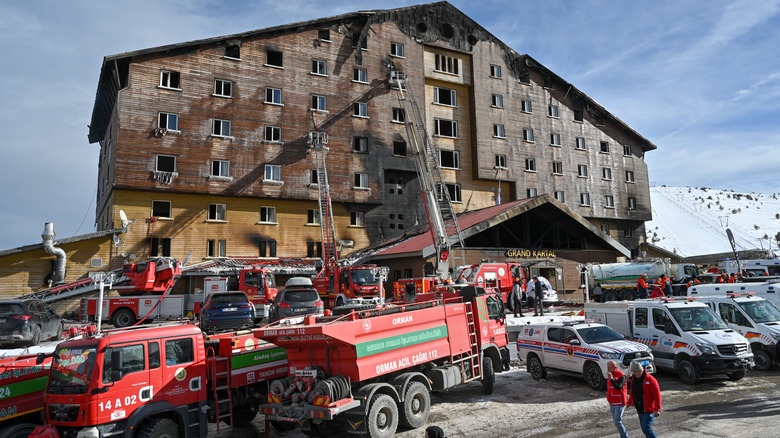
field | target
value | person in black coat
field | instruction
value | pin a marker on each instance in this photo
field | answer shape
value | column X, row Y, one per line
column 538, row 296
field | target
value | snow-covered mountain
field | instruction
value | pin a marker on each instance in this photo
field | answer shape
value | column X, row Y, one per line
column 693, row 221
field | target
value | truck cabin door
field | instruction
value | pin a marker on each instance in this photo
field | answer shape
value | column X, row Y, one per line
column 489, row 319
column 126, row 374
column 181, row 375
column 663, row 334
column 734, row 317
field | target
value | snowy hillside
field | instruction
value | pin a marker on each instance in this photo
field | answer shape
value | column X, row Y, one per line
column 692, row 221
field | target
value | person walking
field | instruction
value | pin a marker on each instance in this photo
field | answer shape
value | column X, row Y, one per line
column 641, row 286
column 617, row 396
column 517, row 296
column 538, row 296
column 645, row 397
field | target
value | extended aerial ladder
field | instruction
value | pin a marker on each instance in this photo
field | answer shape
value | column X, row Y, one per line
column 436, row 196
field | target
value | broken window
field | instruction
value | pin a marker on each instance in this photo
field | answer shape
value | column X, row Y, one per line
column 449, row 159
column 160, row 247
column 170, row 79
column 360, row 144
column 161, row 209
column 444, row 96
column 233, row 51
column 399, row 148
column 578, row 115
column 273, row 134
column 399, row 115
column 314, row 177
column 500, row 161
column 273, row 58
column 165, row 163
column 446, row 128
column 267, row 246
column 452, row 189
column 314, row 249
column 323, row 34
column 168, row 121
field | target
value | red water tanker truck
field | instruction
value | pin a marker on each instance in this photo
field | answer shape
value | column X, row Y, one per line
column 369, row 370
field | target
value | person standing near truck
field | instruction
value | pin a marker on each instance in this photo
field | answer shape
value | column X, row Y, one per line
column 538, row 296
column 617, row 396
column 517, row 297
column 645, row 397
column 641, row 286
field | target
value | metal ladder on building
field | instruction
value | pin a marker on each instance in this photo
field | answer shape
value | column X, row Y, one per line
column 318, row 141
column 426, row 162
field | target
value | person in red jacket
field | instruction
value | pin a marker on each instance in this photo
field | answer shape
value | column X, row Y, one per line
column 645, row 397
column 641, row 286
column 617, row 396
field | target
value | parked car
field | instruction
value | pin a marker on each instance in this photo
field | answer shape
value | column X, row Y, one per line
column 297, row 299
column 226, row 311
column 27, row 322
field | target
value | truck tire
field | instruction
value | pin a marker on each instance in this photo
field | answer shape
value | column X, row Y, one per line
column 736, row 375
column 535, row 367
column 382, row 416
column 244, row 414
column 160, row 428
column 123, row 318
column 18, row 431
column 36, row 337
column 416, row 407
column 488, row 375
column 687, row 372
column 629, row 295
column 593, row 376
column 282, row 426
column 609, row 295
column 762, row 359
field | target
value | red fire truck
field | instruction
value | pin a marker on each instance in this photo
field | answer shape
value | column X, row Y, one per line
column 340, row 285
column 158, row 380
column 22, row 383
column 366, row 371
column 499, row 276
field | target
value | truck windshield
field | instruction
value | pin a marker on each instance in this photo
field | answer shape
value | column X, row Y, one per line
column 594, row 335
column 364, row 277
column 761, row 311
column 71, row 370
column 697, row 318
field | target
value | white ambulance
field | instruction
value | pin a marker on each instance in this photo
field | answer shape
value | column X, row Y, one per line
column 754, row 318
column 579, row 348
column 686, row 336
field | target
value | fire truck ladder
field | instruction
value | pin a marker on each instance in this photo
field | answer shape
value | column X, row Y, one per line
column 220, row 375
column 76, row 288
column 469, row 361
column 427, row 165
column 318, row 141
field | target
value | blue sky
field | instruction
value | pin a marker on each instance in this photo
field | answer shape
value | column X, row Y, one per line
column 700, row 79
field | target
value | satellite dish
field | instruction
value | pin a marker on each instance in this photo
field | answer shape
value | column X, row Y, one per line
column 123, row 218
column 132, row 257
column 124, row 254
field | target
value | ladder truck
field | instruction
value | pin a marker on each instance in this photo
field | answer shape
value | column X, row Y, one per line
column 337, row 282
column 436, row 197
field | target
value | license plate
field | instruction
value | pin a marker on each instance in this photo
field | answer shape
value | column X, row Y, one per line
column 229, row 309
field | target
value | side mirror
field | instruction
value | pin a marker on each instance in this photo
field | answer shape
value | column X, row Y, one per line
column 574, row 342
column 116, row 365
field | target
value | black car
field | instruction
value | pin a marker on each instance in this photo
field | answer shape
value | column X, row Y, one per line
column 227, row 311
column 27, row 322
column 297, row 299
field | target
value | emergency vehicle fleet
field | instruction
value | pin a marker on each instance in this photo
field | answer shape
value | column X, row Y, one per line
column 685, row 336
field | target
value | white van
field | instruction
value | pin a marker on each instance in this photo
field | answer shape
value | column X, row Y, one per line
column 768, row 290
column 685, row 336
column 754, row 318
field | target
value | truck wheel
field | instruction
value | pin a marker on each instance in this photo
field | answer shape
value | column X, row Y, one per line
column 123, row 318
column 36, row 337
column 416, row 407
column 282, row 426
column 382, row 416
column 593, row 376
column 687, row 372
column 160, row 428
column 609, row 296
column 339, row 302
column 244, row 414
column 18, row 431
column 762, row 359
column 736, row 375
column 629, row 295
column 535, row 368
column 488, row 375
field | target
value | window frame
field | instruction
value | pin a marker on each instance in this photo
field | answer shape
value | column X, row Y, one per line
column 168, row 117
column 627, row 150
column 219, row 88
column 446, row 64
column 275, row 95
column 221, row 123
column 319, row 67
column 455, row 159
column 157, row 163
column 438, row 92
column 269, row 213
column 530, row 164
column 552, row 111
column 319, row 99
column 531, row 192
column 170, row 80
column 495, row 71
column 222, row 168
column 499, row 131
column 560, row 198
column 161, row 202
column 398, row 116
column 360, row 144
column 604, row 147
column 216, row 246
column 631, row 203
column 526, row 106
column 394, row 50
column 585, row 199
column 579, row 144
column 528, row 135
column 313, row 216
column 360, row 110
column 360, row 180
column 630, row 178
column 555, row 139
column 275, row 53
column 609, row 201
column 357, row 219
column 497, row 101
column 217, row 212
column 275, row 170
column 357, row 72
column 606, row 173
column 582, row 170
column 501, row 162
column 453, row 128
column 557, row 167
column 270, row 131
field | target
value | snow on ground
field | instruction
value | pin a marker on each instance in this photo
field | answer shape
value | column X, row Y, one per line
column 693, row 221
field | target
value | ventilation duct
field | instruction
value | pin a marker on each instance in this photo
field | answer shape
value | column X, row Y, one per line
column 58, row 274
